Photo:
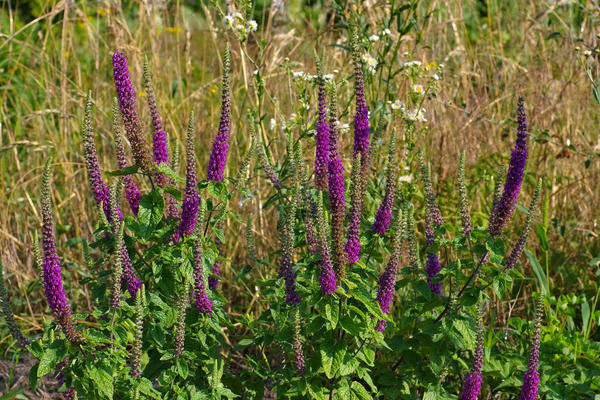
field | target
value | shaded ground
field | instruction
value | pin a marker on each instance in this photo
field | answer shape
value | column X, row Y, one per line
column 15, row 380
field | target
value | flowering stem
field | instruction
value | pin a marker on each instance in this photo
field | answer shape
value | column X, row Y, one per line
column 467, row 283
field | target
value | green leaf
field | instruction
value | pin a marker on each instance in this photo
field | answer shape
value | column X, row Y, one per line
column 102, row 379
column 150, row 212
column 538, row 271
column 332, row 356
column 332, row 315
column 132, row 169
column 33, row 376
column 542, row 235
column 585, row 317
column 165, row 169
column 53, row 354
column 360, row 392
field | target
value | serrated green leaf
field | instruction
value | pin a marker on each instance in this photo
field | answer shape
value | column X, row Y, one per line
column 53, row 354
column 132, row 169
column 332, row 356
column 102, row 380
column 165, row 169
column 360, row 392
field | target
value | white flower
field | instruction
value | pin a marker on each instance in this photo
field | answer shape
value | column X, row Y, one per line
column 344, row 127
column 328, row 77
column 255, row 72
column 371, row 62
column 335, row 71
column 405, row 178
column 415, row 115
column 397, row 105
column 252, row 26
column 299, row 75
column 386, row 31
column 587, row 53
column 418, row 89
column 237, row 15
column 228, row 21
column 413, row 63
column 374, row 38
column 272, row 124
column 436, row 77
column 240, row 28
column 568, row 142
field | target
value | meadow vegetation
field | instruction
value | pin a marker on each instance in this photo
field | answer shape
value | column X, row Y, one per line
column 329, row 199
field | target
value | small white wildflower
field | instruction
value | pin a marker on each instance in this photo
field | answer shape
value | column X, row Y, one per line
column 372, row 62
column 344, row 128
column 386, row 31
column 299, row 75
column 252, row 26
column 397, row 105
column 587, row 53
column 237, row 15
column 436, row 77
column 413, row 64
column 418, row 89
column 227, row 21
column 405, row 178
column 374, row 38
column 328, row 77
column 255, row 72
column 568, row 142
column 240, row 28
column 272, row 124
column 335, row 71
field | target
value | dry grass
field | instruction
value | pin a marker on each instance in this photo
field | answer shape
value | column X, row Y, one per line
column 50, row 63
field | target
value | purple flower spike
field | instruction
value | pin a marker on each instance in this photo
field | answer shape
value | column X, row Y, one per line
column 387, row 280
column 159, row 136
column 531, row 378
column 130, row 278
column 361, row 118
column 53, row 284
column 384, row 213
column 353, row 243
column 472, row 384
column 132, row 192
column 514, row 177
column 433, row 218
column 129, row 112
column 286, row 237
column 323, row 141
column 326, row 276
column 101, row 189
column 218, row 157
column 203, row 303
column 189, row 209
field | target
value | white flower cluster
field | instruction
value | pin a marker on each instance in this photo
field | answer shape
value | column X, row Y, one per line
column 236, row 22
column 343, row 128
column 413, row 64
column 371, row 62
column 415, row 115
column 307, row 77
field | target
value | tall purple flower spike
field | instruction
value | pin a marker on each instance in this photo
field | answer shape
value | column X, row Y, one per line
column 384, row 213
column 531, row 378
column 433, row 218
column 218, row 156
column 337, row 189
column 353, row 243
column 102, row 191
column 160, row 148
column 472, row 384
column 323, row 142
column 387, row 280
column 203, row 303
column 132, row 192
column 326, row 275
column 361, row 117
column 53, row 283
column 189, row 209
column 514, row 177
column 129, row 111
